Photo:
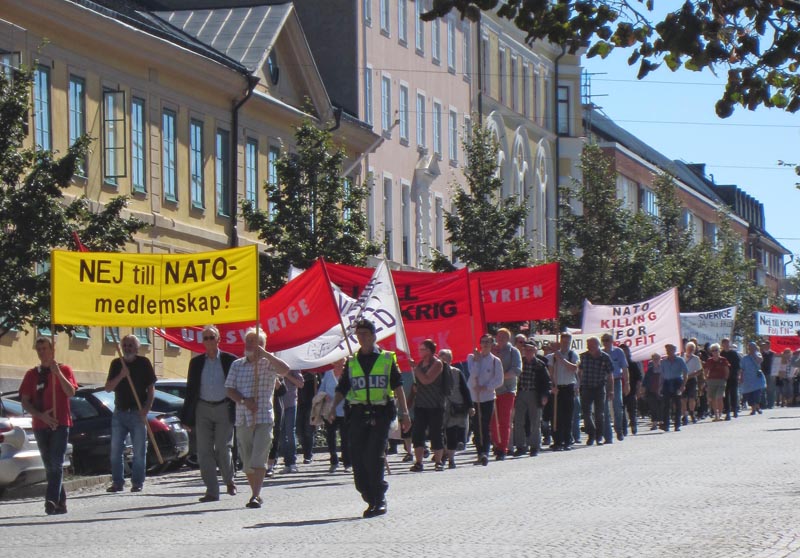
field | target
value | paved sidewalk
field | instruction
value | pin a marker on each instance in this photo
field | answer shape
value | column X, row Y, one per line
column 725, row 489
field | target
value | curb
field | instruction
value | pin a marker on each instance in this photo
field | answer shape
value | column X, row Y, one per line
column 38, row 490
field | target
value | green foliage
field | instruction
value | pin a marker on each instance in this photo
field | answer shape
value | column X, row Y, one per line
column 35, row 217
column 757, row 42
column 612, row 256
column 484, row 228
column 313, row 212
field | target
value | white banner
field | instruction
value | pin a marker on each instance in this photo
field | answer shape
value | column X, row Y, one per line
column 708, row 327
column 578, row 339
column 377, row 303
column 778, row 325
column 645, row 326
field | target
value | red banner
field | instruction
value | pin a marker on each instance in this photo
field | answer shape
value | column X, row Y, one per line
column 433, row 305
column 779, row 343
column 300, row 311
column 517, row 295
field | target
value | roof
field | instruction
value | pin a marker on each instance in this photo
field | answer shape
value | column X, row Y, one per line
column 244, row 34
column 606, row 128
column 135, row 14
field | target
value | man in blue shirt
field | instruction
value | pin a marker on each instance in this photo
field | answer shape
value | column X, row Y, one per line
column 620, row 374
column 673, row 379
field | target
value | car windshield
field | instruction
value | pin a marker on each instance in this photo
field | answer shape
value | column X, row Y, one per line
column 106, row 398
column 12, row 408
column 82, row 409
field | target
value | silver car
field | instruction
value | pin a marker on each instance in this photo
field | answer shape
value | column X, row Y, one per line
column 20, row 461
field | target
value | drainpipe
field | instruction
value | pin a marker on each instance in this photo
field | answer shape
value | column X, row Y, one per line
column 558, row 139
column 479, row 44
column 233, row 240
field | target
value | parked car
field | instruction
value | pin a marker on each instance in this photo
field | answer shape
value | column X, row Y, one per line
column 92, row 408
column 20, row 461
column 177, row 388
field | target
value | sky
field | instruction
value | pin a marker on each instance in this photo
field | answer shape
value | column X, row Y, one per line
column 673, row 112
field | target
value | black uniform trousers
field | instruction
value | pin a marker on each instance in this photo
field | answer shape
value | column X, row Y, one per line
column 369, row 433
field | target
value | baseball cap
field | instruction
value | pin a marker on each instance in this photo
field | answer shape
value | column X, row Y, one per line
column 364, row 324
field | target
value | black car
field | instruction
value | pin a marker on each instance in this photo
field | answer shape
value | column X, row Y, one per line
column 90, row 435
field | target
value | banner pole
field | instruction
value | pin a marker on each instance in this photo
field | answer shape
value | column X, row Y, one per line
column 336, row 305
column 150, row 434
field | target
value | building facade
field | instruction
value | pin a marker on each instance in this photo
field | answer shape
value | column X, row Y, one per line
column 190, row 109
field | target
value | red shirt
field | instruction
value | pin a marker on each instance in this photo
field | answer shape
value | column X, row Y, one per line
column 40, row 393
column 717, row 369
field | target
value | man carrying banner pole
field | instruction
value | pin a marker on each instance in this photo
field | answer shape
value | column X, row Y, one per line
column 130, row 415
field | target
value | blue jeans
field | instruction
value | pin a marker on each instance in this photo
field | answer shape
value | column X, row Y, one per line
column 122, row 424
column 576, row 419
column 619, row 410
column 52, row 447
column 287, row 444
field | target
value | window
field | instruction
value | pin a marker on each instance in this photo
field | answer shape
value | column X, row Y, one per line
column 563, row 110
column 368, row 95
column 452, row 133
column 41, row 108
column 368, row 12
column 647, row 201
column 467, row 63
column 387, row 216
column 451, row 44
column 710, row 234
column 197, row 175
column 114, row 157
column 386, row 104
column 222, row 169
column 526, row 90
column 419, row 26
column 421, row 141
column 403, row 101
column 467, row 130
column 138, row 182
column 439, row 238
column 111, row 334
column 80, row 332
column 513, row 75
column 501, row 73
column 272, row 176
column 348, row 189
column 402, row 22
column 627, row 192
column 77, row 115
column 486, row 70
column 436, row 54
column 142, row 334
column 9, row 64
column 251, row 171
column 169, row 144
column 406, row 211
column 385, row 17
column 437, row 129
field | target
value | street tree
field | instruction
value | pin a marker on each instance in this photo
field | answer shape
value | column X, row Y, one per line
column 485, row 228
column 756, row 42
column 36, row 216
column 593, row 238
column 312, row 211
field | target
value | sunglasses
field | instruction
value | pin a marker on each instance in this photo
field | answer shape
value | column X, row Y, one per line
column 209, row 338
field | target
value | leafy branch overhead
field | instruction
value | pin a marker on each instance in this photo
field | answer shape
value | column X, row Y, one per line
column 757, row 42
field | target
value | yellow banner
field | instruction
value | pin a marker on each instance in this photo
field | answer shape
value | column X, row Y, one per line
column 154, row 290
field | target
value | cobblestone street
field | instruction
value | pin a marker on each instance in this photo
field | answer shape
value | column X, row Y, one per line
column 714, row 489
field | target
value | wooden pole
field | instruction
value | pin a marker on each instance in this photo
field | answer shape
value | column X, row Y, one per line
column 53, row 410
column 136, row 397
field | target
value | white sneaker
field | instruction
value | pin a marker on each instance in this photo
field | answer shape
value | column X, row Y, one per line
column 287, row 469
column 333, row 468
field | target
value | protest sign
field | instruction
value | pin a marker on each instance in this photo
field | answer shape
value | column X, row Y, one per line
column 708, row 327
column 775, row 324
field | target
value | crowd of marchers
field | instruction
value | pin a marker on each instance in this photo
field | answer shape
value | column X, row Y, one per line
column 509, row 398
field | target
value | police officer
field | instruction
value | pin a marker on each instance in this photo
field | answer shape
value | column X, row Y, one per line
column 368, row 382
